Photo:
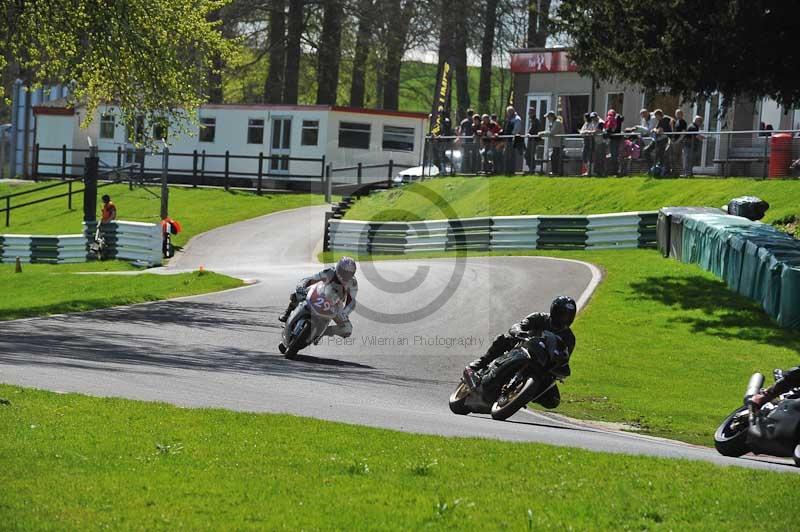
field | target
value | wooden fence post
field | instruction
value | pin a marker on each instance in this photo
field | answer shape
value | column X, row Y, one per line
column 194, row 169
column 164, row 185
column 391, row 171
column 328, row 186
column 360, row 173
column 64, row 163
column 36, row 162
column 227, row 167
column 260, row 171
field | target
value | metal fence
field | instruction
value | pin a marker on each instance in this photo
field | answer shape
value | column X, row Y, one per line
column 758, row 154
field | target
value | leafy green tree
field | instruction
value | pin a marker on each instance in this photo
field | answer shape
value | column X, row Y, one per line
column 690, row 48
column 149, row 57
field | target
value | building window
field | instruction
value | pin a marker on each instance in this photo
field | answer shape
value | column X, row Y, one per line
column 572, row 109
column 614, row 100
column 208, row 129
column 160, row 129
column 353, row 135
column 310, row 136
column 255, row 131
column 398, row 138
column 107, row 127
column 135, row 133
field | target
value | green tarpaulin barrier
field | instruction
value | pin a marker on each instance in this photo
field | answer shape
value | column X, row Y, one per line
column 755, row 259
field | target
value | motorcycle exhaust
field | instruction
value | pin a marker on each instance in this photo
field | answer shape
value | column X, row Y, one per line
column 754, row 386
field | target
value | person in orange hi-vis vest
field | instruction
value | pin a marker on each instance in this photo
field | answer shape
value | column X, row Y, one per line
column 109, row 213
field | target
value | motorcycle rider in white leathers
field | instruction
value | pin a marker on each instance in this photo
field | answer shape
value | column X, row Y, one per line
column 344, row 273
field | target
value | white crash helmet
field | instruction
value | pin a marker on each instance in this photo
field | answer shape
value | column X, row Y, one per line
column 346, row 269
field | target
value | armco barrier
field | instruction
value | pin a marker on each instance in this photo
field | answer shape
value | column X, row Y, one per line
column 601, row 231
column 134, row 241
column 755, row 259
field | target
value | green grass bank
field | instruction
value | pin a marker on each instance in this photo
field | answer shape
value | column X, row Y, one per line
column 43, row 289
column 76, row 462
column 521, row 195
column 198, row 210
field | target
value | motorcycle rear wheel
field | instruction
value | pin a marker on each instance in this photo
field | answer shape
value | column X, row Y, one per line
column 509, row 402
column 730, row 441
column 458, row 399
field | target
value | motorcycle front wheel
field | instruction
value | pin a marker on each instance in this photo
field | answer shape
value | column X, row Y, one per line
column 298, row 342
column 511, row 400
column 730, row 439
column 458, row 398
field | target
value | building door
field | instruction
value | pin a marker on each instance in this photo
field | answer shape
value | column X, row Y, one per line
column 280, row 150
column 540, row 103
column 711, row 111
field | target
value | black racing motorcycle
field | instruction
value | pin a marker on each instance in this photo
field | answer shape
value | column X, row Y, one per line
column 514, row 379
column 773, row 429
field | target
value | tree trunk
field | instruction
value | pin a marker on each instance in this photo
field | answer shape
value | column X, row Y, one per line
column 295, row 24
column 395, row 48
column 487, row 46
column 273, row 88
column 330, row 52
column 366, row 14
column 460, row 32
column 215, row 74
column 538, row 23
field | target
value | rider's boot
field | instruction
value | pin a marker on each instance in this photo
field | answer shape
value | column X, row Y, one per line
column 289, row 309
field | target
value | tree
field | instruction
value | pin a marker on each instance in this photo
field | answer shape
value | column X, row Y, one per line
column 329, row 52
column 273, row 87
column 366, row 19
column 538, row 23
column 400, row 16
column 295, row 26
column 149, row 57
column 487, row 47
column 689, row 48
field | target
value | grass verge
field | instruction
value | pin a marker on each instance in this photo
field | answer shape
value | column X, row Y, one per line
column 198, row 210
column 75, row 462
column 662, row 346
column 43, row 289
column 520, row 195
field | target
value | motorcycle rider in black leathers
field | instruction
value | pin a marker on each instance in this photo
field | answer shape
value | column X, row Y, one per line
column 558, row 321
column 790, row 379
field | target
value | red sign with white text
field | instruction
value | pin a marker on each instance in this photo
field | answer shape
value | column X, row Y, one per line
column 534, row 62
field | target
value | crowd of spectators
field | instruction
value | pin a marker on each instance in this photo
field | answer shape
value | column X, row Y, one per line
column 489, row 146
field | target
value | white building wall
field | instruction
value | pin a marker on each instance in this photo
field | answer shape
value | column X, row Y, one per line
column 231, row 134
column 54, row 131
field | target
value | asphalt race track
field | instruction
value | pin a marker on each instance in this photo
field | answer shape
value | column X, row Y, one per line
column 417, row 325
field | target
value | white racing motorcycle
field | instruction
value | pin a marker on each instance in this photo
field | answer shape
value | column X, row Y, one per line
column 307, row 323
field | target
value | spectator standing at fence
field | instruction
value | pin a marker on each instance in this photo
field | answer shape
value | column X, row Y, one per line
column 553, row 129
column 466, row 139
column 599, row 153
column 613, row 130
column 655, row 151
column 534, row 126
column 515, row 146
column 488, row 133
column 644, row 130
column 587, row 132
column 679, row 125
column 109, row 210
column 691, row 145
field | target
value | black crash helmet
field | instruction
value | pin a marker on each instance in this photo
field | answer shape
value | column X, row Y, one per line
column 562, row 312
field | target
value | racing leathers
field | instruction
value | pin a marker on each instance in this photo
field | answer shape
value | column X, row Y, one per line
column 342, row 326
column 532, row 325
